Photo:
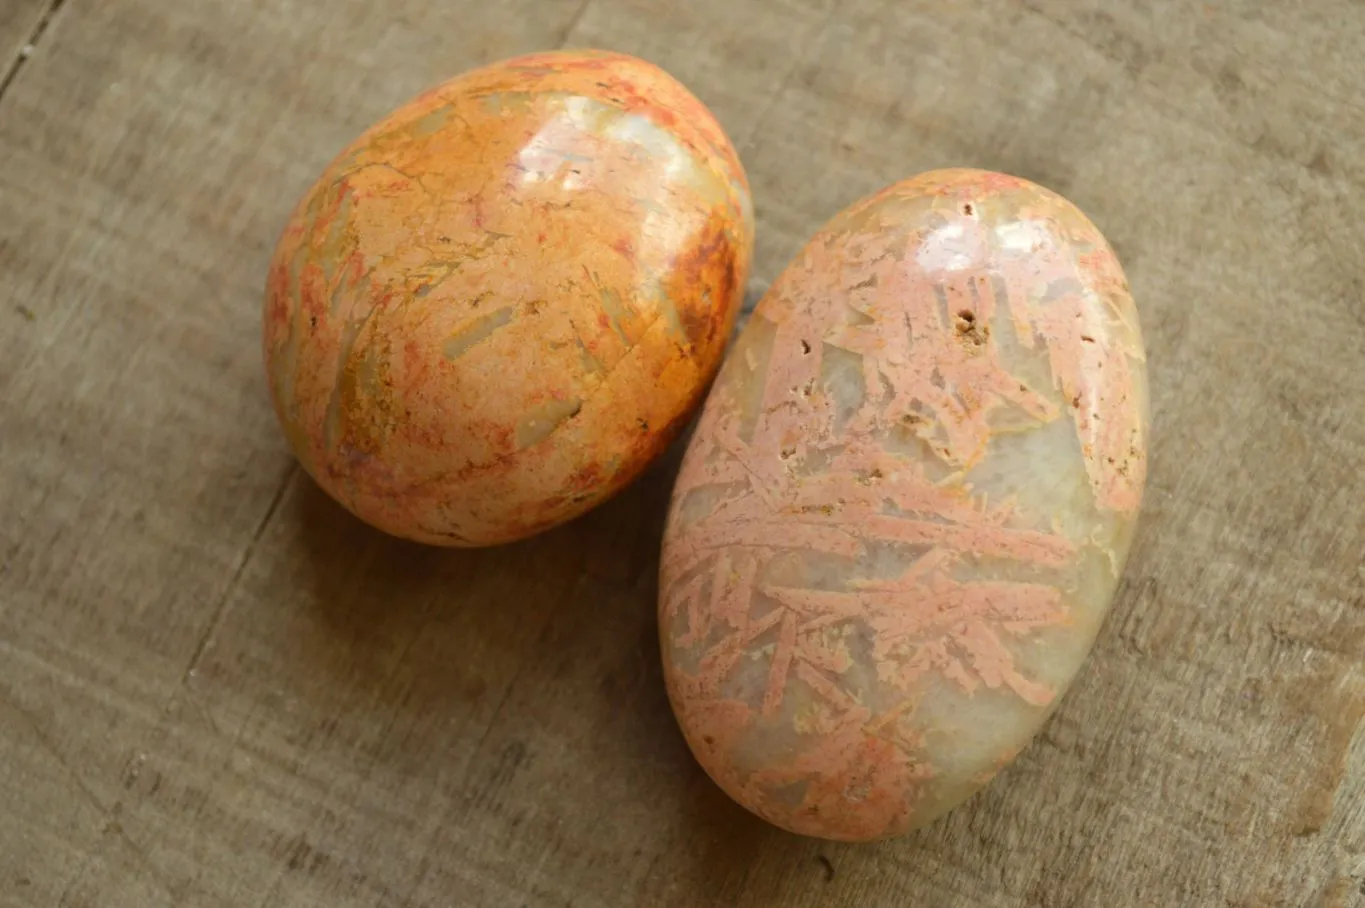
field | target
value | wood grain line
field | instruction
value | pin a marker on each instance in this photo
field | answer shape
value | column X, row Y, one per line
column 220, row 609
column 26, row 49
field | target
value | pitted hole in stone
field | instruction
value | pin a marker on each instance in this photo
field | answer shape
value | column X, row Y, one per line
column 969, row 330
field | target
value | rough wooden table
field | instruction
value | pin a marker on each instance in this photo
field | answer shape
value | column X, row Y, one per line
column 216, row 689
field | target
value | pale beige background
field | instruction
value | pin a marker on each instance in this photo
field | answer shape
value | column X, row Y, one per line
column 218, row 690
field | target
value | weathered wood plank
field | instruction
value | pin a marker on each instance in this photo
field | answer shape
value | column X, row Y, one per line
column 218, row 689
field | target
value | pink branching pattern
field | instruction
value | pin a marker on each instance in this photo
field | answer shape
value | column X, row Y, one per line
column 803, row 477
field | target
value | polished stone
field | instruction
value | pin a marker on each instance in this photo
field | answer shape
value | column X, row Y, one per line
column 503, row 301
column 906, row 508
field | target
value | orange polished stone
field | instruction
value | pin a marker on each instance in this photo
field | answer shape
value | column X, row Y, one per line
column 906, row 506
column 500, row 303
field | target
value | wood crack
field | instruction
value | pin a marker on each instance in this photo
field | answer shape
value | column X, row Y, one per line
column 26, row 49
column 221, row 608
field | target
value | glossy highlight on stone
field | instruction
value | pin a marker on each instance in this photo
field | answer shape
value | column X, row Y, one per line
column 500, row 303
column 906, row 506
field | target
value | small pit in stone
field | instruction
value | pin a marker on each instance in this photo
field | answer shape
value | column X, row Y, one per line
column 969, row 329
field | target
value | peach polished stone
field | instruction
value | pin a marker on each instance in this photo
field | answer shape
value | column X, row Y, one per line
column 906, row 507
column 500, row 303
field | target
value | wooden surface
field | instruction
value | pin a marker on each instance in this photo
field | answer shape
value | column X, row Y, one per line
column 218, row 689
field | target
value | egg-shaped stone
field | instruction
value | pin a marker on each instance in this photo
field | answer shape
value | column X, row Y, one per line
column 501, row 302
column 906, row 506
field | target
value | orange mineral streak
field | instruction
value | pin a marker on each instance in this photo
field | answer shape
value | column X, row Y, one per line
column 905, row 507
column 500, row 303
